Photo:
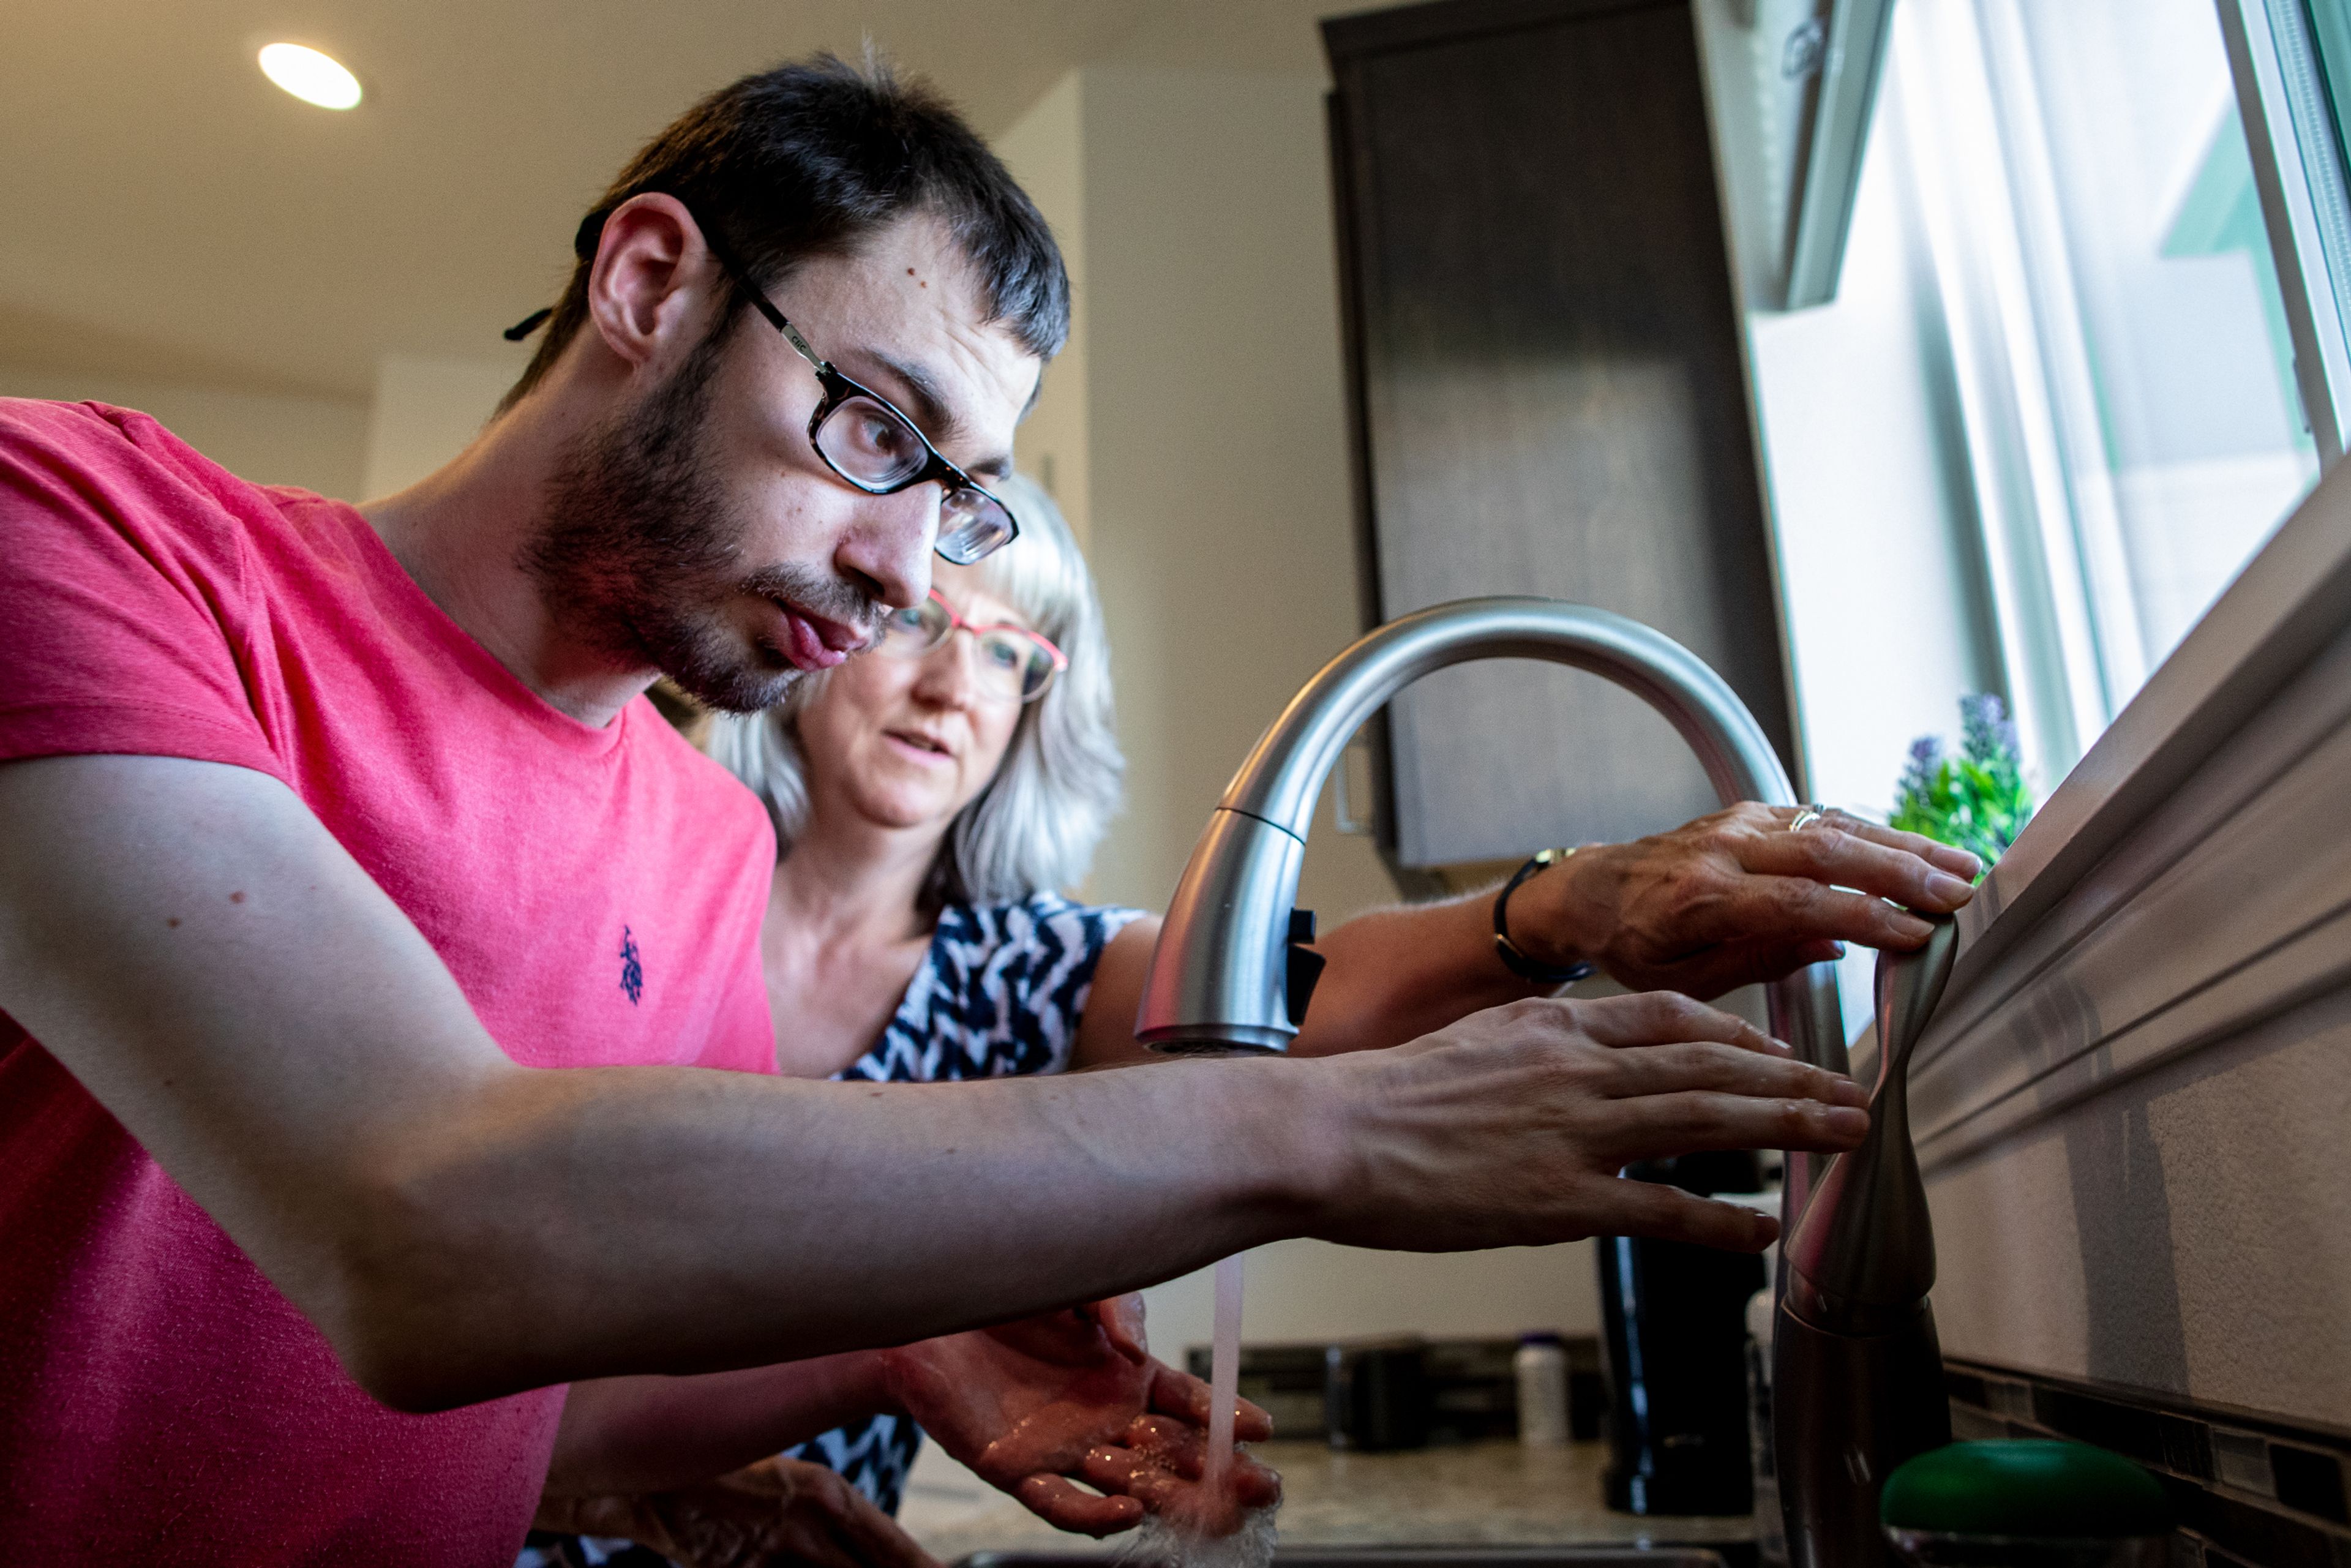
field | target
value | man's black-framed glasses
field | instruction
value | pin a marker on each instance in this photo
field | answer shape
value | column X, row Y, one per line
column 863, row 437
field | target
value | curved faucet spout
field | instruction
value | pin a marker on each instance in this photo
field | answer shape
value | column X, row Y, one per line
column 1219, row 978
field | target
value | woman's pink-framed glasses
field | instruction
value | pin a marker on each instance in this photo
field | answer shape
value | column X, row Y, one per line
column 1016, row 665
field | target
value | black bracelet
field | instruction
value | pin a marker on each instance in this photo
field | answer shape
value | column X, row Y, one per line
column 1513, row 958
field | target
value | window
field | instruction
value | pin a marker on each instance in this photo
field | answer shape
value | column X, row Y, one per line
column 2126, row 360
column 2087, row 349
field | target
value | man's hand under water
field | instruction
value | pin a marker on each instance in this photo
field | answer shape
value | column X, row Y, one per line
column 1037, row 1407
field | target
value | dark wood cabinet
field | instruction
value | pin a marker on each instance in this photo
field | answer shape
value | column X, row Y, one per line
column 1549, row 397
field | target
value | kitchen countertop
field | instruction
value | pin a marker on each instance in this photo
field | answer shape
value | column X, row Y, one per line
column 1484, row 1493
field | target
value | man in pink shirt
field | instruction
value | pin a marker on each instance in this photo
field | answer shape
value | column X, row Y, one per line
column 332, row 834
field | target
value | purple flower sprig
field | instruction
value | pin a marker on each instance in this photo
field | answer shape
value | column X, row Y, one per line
column 1977, row 800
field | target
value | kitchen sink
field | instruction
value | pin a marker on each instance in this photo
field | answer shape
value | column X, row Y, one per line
column 1614, row 1556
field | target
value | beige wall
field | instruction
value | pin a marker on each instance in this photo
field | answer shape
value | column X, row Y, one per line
column 1045, row 149
column 1207, row 400
column 1208, row 412
column 426, row 410
column 423, row 413
column 316, row 443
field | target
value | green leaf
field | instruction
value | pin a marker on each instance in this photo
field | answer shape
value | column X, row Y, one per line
column 1977, row 800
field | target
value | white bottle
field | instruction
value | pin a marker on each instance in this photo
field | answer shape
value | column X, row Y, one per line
column 1541, row 1367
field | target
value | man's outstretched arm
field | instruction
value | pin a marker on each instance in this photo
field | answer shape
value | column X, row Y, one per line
column 191, row 942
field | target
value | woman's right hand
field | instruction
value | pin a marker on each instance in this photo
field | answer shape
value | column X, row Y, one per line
column 1036, row 1405
column 1509, row 1128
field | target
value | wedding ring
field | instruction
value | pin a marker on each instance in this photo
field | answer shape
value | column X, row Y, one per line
column 1807, row 817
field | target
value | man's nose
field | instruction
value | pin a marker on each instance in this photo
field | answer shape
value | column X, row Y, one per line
column 890, row 547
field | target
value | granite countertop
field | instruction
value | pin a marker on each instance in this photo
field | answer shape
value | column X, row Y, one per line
column 1483, row 1493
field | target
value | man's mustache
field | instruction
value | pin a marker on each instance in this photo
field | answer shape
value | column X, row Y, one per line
column 821, row 593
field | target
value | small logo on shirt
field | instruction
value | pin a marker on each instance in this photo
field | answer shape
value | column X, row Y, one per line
column 632, row 972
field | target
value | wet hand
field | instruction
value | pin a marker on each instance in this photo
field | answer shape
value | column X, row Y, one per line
column 1162, row 1465
column 1737, row 896
column 1037, row 1407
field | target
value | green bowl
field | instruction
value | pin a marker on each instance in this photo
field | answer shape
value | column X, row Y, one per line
column 2025, row 1503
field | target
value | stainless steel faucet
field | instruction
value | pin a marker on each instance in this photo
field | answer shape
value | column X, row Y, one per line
column 1858, row 1376
column 1221, row 977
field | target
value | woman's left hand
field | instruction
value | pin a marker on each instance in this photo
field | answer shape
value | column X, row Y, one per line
column 1038, row 1405
column 779, row 1511
column 1739, row 895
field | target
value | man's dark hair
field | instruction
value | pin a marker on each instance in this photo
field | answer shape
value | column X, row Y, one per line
column 810, row 159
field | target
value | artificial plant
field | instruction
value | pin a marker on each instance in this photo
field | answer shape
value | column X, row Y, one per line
column 1977, row 800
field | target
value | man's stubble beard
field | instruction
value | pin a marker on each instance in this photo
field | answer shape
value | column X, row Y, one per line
column 640, row 551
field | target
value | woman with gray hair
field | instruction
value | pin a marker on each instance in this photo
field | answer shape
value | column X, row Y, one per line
column 929, row 799
column 1034, row 805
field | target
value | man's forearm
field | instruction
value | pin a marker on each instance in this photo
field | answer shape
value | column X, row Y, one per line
column 704, row 1221
column 645, row 1434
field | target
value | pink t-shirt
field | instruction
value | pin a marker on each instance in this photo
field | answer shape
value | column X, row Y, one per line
column 596, row 893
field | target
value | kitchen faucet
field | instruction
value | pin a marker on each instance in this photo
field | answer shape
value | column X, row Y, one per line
column 1857, row 1371
column 1233, row 971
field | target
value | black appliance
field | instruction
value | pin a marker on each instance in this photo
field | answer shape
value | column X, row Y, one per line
column 1286, row 1381
column 1378, row 1395
column 1404, row 1391
column 1675, row 1322
column 1472, row 1388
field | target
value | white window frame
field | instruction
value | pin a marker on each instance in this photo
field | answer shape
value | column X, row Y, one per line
column 2022, row 382
column 2305, row 195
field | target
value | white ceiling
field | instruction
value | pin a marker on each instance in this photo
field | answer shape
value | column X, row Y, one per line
column 170, row 213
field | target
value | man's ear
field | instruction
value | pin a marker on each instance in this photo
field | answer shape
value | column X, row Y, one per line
column 654, row 280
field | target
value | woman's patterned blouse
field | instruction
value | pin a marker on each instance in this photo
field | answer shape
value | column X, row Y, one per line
column 1000, row 993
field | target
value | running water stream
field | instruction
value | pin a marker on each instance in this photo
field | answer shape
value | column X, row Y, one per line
column 1225, row 1376
column 1211, row 1538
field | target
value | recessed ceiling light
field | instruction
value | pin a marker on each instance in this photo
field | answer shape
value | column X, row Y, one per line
column 310, row 76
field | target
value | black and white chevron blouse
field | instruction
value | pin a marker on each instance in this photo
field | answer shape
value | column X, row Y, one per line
column 1000, row 993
